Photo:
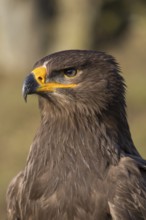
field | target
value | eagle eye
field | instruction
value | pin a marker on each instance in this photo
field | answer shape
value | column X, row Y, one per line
column 71, row 72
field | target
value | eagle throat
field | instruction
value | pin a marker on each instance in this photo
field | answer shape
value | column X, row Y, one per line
column 70, row 140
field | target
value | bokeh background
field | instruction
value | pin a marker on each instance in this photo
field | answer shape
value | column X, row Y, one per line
column 32, row 29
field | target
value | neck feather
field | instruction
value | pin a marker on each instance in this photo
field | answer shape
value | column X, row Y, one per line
column 92, row 140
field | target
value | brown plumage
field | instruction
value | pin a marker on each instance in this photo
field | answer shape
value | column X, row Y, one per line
column 82, row 164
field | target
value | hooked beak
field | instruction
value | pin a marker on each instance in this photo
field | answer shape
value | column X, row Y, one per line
column 34, row 81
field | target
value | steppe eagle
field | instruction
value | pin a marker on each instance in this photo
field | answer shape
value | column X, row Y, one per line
column 82, row 164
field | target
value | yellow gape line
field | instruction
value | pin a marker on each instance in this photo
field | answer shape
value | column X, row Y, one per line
column 52, row 86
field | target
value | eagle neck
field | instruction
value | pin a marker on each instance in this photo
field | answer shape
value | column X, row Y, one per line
column 75, row 137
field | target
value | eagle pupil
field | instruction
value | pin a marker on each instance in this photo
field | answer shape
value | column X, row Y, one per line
column 70, row 72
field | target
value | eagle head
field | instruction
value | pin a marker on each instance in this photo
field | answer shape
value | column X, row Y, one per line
column 77, row 79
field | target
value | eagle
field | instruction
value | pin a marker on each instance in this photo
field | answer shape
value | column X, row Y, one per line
column 82, row 164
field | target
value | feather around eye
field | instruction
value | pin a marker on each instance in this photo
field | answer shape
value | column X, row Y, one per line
column 71, row 72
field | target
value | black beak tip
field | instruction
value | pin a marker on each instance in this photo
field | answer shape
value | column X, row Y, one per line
column 24, row 92
column 30, row 86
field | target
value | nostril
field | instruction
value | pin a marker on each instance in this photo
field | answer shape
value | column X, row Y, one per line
column 40, row 78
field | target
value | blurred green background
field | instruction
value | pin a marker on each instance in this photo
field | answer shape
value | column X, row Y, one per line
column 32, row 29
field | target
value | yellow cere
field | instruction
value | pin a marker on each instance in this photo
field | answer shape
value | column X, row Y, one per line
column 40, row 76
